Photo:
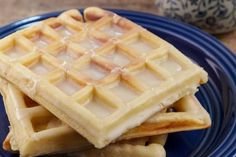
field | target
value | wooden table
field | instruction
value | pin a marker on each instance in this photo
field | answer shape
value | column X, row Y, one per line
column 12, row 10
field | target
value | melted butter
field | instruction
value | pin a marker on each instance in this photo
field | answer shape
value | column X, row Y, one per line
column 89, row 44
column 98, row 108
column 118, row 59
column 141, row 46
column 94, row 71
column 170, row 65
column 69, row 87
column 66, row 56
column 41, row 42
column 148, row 77
column 124, row 92
column 113, row 30
column 39, row 68
column 15, row 53
column 63, row 31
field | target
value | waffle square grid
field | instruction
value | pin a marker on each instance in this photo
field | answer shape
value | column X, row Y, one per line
column 40, row 128
column 93, row 74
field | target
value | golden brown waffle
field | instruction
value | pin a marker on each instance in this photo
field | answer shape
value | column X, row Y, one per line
column 185, row 114
column 102, row 76
column 10, row 144
column 36, row 131
column 140, row 147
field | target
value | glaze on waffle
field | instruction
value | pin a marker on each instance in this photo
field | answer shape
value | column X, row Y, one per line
column 93, row 74
column 42, row 133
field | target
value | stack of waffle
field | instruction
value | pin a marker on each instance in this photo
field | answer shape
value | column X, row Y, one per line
column 97, row 85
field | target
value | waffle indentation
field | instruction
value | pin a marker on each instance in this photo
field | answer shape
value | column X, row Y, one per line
column 170, row 65
column 40, row 66
column 113, row 30
column 63, row 31
column 98, row 107
column 15, row 49
column 94, row 71
column 89, row 44
column 118, row 58
column 148, row 77
column 45, row 122
column 29, row 102
column 68, row 85
column 40, row 40
column 15, row 52
column 124, row 91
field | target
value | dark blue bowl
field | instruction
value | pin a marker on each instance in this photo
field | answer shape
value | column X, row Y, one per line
column 218, row 96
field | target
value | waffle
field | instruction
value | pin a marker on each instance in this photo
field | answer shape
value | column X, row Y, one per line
column 185, row 114
column 140, row 147
column 95, row 80
column 35, row 130
column 39, row 129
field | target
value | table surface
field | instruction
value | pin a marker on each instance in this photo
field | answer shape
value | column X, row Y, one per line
column 12, row 10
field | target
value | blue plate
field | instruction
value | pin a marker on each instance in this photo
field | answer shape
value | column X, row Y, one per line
column 218, row 96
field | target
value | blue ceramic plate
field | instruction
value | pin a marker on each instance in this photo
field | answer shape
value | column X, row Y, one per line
column 218, row 96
